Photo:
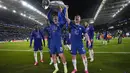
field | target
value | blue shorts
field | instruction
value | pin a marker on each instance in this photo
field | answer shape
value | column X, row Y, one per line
column 89, row 47
column 77, row 48
column 37, row 48
column 56, row 49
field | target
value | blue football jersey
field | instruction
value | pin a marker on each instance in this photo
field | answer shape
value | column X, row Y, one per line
column 90, row 31
column 37, row 36
column 76, row 34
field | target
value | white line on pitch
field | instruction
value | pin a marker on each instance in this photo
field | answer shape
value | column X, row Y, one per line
column 14, row 50
column 48, row 51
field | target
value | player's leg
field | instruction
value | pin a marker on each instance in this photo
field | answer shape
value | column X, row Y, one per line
column 35, row 55
column 82, row 52
column 74, row 52
column 53, row 52
column 90, row 56
column 49, row 46
column 91, row 51
column 55, row 63
column 61, row 54
column 51, row 59
column 106, row 41
column 74, row 61
column 103, row 41
column 41, row 55
column 85, row 62
column 69, row 46
column 58, row 58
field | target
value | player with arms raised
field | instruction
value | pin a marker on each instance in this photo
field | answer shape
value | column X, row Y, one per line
column 76, row 42
column 55, row 42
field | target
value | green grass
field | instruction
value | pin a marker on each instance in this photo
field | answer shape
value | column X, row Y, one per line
column 22, row 62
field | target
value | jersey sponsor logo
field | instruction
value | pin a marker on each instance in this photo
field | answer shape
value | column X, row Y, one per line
column 76, row 32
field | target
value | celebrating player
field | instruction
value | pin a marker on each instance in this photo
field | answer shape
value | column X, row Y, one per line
column 56, row 45
column 47, row 29
column 90, row 32
column 76, row 42
column 37, row 36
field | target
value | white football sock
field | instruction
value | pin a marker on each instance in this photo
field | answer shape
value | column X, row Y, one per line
column 105, row 42
column 58, row 60
column 56, row 66
column 41, row 55
column 65, row 64
column 69, row 46
column 66, row 47
column 74, row 64
column 90, row 54
column 85, row 62
column 35, row 56
column 51, row 59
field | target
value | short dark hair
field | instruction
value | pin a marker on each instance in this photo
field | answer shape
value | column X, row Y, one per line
column 77, row 15
column 54, row 14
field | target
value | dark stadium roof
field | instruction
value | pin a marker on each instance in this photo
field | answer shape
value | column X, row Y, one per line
column 112, row 11
column 22, row 12
column 19, row 12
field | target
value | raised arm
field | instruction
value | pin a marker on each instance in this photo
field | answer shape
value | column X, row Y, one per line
column 67, row 17
column 62, row 17
column 49, row 16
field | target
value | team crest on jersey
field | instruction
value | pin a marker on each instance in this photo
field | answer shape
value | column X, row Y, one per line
column 80, row 28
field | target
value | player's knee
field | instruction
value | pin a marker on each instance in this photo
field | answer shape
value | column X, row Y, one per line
column 61, row 54
column 73, row 57
column 83, row 56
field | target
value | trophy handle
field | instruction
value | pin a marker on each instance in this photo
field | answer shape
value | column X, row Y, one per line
column 45, row 4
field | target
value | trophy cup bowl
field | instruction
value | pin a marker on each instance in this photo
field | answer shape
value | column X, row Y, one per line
column 52, row 4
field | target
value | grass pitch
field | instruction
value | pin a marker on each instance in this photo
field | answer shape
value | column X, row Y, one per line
column 17, row 57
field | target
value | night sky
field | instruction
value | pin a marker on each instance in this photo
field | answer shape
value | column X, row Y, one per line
column 85, row 8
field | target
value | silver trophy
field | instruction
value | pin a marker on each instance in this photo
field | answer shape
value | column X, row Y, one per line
column 52, row 4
